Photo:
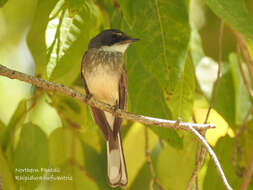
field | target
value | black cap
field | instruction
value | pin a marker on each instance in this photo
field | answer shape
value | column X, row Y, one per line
column 109, row 38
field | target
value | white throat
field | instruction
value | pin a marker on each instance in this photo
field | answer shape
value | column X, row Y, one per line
column 116, row 47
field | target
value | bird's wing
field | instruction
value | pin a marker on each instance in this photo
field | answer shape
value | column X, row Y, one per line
column 122, row 100
column 98, row 115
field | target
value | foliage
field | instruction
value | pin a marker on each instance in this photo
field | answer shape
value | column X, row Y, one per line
column 171, row 74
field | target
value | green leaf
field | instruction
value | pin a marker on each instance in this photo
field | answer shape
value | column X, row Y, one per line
column 232, row 100
column 95, row 165
column 84, row 25
column 205, row 67
column 212, row 179
column 44, row 115
column 224, row 102
column 144, row 93
column 73, row 111
column 134, row 143
column 17, row 119
column 142, row 180
column 74, row 6
column 197, row 51
column 72, row 147
column 163, row 27
column 31, row 153
column 242, row 99
column 181, row 101
column 6, row 178
column 235, row 13
column 174, row 166
column 36, row 35
column 2, row 3
column 76, row 178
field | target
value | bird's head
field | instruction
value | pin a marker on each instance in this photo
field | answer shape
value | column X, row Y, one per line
column 112, row 40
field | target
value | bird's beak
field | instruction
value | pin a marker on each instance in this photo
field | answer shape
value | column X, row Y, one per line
column 134, row 39
column 129, row 40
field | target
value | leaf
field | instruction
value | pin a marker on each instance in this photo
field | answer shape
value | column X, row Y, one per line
column 163, row 27
column 174, row 166
column 74, row 6
column 2, row 3
column 6, row 178
column 232, row 100
column 7, row 137
column 44, row 115
column 72, row 147
column 242, row 99
column 99, row 172
column 36, row 35
column 73, row 111
column 224, row 102
column 197, row 51
column 143, row 180
column 31, row 153
column 206, row 73
column 144, row 93
column 134, row 143
column 181, row 101
column 84, row 25
column 212, row 179
column 76, row 178
column 235, row 13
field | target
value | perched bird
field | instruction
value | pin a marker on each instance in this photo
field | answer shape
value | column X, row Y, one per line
column 105, row 78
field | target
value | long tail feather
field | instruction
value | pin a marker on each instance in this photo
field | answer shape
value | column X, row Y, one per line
column 116, row 168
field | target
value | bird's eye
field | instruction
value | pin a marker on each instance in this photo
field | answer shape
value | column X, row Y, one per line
column 116, row 34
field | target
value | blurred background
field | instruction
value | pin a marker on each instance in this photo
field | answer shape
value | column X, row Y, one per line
column 16, row 20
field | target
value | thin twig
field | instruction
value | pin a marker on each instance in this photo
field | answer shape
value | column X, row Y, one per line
column 248, row 174
column 245, row 53
column 154, row 179
column 51, row 86
column 245, row 81
column 199, row 162
column 212, row 155
column 236, row 140
column 215, row 88
column 201, row 157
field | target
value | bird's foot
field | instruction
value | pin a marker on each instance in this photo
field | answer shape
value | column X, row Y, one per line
column 88, row 97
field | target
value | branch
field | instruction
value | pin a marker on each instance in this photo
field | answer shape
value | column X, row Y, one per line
column 212, row 155
column 248, row 174
column 202, row 153
column 199, row 162
column 245, row 53
column 215, row 88
column 238, row 51
column 154, row 179
column 51, row 86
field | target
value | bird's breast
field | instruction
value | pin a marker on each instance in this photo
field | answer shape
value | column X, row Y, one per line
column 102, row 75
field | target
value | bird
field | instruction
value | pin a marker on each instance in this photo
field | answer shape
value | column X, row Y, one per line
column 105, row 78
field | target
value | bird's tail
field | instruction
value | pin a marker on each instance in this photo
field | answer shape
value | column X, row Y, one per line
column 116, row 167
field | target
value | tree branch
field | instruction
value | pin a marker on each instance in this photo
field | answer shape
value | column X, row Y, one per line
column 245, row 53
column 248, row 174
column 154, row 179
column 51, row 86
column 202, row 153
